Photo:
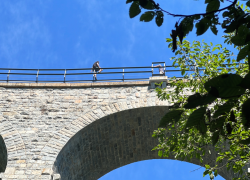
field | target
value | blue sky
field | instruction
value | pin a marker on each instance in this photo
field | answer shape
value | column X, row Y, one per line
column 76, row 33
column 158, row 170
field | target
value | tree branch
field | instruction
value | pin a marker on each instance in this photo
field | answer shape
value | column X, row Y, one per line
column 202, row 14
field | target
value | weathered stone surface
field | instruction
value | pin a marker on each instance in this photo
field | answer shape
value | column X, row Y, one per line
column 56, row 177
column 114, row 141
column 41, row 122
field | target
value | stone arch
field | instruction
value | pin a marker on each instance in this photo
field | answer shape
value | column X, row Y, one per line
column 14, row 146
column 113, row 141
column 50, row 151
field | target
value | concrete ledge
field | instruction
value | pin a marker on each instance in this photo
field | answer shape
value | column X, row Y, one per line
column 158, row 79
column 73, row 85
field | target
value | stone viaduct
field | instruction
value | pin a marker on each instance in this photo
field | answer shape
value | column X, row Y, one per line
column 79, row 130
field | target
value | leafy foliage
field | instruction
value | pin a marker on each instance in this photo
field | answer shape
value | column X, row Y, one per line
column 134, row 9
column 235, row 19
column 219, row 109
column 173, row 116
column 147, row 16
column 217, row 112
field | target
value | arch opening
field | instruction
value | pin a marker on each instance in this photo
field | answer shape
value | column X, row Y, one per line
column 112, row 142
column 160, row 169
column 3, row 155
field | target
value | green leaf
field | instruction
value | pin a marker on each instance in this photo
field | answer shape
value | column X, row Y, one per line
column 240, row 38
column 207, row 166
column 183, row 72
column 225, row 85
column 196, row 100
column 215, row 137
column 213, row 5
column 147, row 16
column 231, row 27
column 217, row 124
column 159, row 18
column 232, row 117
column 160, row 153
column 245, row 141
column 205, row 173
column 223, row 80
column 216, row 173
column 228, row 92
column 214, row 91
column 229, row 128
column 175, row 106
column 202, row 126
column 134, row 9
column 247, row 38
column 143, row 3
column 150, row 6
column 248, row 3
column 245, row 83
column 202, row 26
column 246, row 110
column 129, row 1
column 224, row 109
column 195, row 118
column 172, row 116
column 243, row 53
column 225, row 14
column 187, row 25
column 214, row 29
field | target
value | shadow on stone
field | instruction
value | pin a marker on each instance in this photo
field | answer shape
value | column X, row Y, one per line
column 114, row 141
column 3, row 155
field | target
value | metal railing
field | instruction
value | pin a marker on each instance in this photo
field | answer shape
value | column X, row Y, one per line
column 84, row 75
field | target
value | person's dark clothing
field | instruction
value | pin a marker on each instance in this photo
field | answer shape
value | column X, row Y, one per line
column 95, row 67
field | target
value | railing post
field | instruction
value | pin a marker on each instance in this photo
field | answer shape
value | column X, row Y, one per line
column 37, row 76
column 164, row 69
column 123, row 75
column 65, row 76
column 152, row 69
column 8, row 76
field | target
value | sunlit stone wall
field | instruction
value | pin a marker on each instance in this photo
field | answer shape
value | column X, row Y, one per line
column 78, row 131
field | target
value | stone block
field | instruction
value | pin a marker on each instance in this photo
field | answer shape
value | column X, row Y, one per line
column 10, row 170
column 56, row 177
column 19, row 172
column 20, row 161
column 46, row 171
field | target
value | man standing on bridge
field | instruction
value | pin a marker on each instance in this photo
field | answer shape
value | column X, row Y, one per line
column 96, row 69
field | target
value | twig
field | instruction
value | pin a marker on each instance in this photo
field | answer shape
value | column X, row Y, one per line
column 196, row 169
column 202, row 14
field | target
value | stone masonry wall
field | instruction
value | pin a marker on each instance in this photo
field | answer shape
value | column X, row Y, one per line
column 37, row 120
column 42, row 123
